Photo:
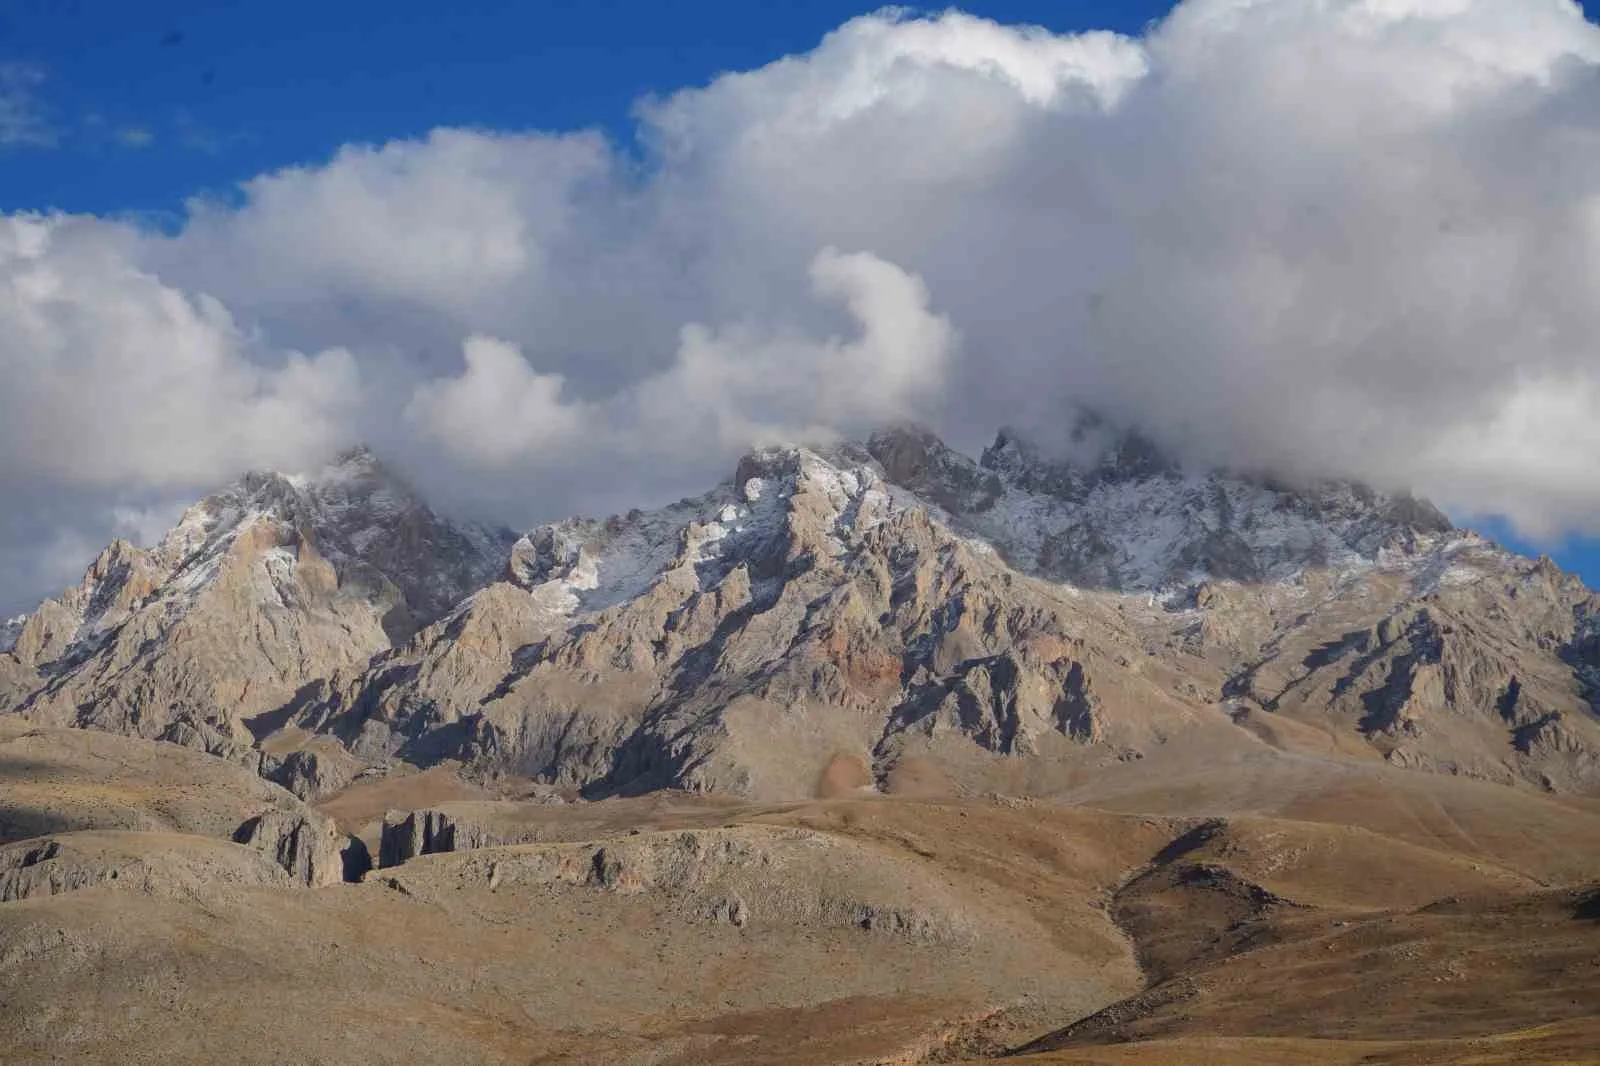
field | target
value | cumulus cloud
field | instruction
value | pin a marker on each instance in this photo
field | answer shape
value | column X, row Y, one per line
column 114, row 378
column 740, row 385
column 1326, row 237
column 499, row 410
column 423, row 242
column 727, row 389
column 1534, row 457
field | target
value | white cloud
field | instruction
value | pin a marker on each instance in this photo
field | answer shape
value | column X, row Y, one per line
column 448, row 223
column 1534, row 457
column 727, row 388
column 1356, row 237
column 114, row 379
column 498, row 411
column 737, row 385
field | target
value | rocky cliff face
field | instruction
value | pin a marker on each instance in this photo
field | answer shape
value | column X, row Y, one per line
column 306, row 845
column 10, row 630
column 890, row 615
column 151, row 863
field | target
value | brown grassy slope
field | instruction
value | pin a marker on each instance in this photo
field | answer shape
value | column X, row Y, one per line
column 1228, row 956
column 1459, row 972
column 1559, row 1044
column 1552, row 839
column 1314, row 918
column 431, row 963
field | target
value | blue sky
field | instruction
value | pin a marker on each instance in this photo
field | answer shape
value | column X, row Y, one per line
column 154, row 101
column 139, row 106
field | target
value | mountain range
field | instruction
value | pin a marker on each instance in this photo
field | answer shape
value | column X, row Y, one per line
column 873, row 753
column 866, row 612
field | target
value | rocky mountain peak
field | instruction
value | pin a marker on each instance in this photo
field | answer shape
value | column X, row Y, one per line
column 782, row 502
column 1111, row 511
column 914, row 458
column 365, row 520
column 274, row 580
column 1097, row 452
column 1094, row 451
column 873, row 598
column 355, row 486
column 358, row 479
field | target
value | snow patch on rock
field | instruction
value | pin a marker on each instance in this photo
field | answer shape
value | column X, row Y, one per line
column 10, row 630
column 586, row 565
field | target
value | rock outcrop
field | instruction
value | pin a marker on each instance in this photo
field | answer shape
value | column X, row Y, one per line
column 407, row 834
column 462, row 826
column 164, row 864
column 306, row 845
column 741, row 877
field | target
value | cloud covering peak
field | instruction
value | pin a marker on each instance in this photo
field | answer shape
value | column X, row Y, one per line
column 1326, row 237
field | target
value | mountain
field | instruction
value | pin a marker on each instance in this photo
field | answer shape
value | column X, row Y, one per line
column 890, row 615
column 258, row 590
column 873, row 753
column 1132, row 519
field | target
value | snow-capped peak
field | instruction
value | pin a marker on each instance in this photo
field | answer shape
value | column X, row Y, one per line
column 777, row 495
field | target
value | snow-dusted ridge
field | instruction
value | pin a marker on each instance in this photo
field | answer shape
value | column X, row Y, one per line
column 585, row 565
column 1136, row 521
column 1132, row 522
column 1126, row 520
column 1111, row 599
